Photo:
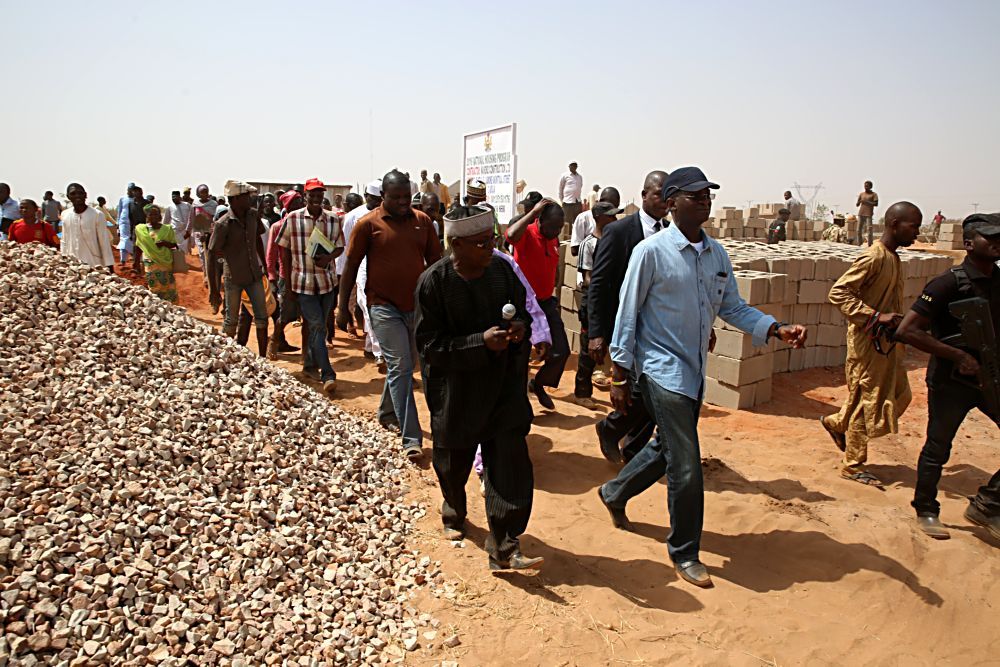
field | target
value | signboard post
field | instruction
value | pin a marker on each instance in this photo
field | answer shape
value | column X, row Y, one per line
column 491, row 156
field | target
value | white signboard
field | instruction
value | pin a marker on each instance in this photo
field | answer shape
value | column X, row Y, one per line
column 491, row 157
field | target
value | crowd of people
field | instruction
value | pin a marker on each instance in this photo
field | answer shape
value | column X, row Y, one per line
column 440, row 286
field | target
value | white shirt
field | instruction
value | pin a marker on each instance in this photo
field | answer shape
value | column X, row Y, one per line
column 583, row 226
column 792, row 204
column 571, row 188
column 349, row 220
column 649, row 225
column 178, row 216
column 86, row 237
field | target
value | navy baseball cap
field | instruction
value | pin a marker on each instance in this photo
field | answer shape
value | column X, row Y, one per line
column 986, row 224
column 686, row 179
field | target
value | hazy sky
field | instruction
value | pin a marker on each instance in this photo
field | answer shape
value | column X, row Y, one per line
column 759, row 94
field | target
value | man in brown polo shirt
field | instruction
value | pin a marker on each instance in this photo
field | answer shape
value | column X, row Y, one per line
column 867, row 201
column 399, row 243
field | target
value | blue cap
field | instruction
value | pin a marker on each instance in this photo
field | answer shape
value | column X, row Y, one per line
column 686, row 179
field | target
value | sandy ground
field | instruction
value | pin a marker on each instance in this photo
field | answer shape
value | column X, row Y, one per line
column 808, row 568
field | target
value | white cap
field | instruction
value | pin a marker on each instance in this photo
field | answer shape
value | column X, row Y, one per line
column 478, row 220
column 236, row 188
column 374, row 188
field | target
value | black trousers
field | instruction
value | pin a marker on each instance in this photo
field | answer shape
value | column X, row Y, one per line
column 551, row 371
column 585, row 363
column 636, row 427
column 947, row 405
column 509, row 482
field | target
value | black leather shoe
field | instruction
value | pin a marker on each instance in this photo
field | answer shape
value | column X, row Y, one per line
column 608, row 448
column 517, row 562
column 543, row 398
column 694, row 572
column 618, row 518
column 452, row 534
column 931, row 526
column 980, row 518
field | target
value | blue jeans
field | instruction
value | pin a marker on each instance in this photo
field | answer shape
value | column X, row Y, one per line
column 394, row 330
column 676, row 452
column 315, row 311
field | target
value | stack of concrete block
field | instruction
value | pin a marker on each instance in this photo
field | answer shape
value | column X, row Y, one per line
column 791, row 281
column 950, row 236
column 569, row 296
column 753, row 222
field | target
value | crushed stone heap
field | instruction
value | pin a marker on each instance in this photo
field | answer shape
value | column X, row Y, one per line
column 167, row 498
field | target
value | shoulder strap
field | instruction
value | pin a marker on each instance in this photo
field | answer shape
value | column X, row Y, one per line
column 962, row 279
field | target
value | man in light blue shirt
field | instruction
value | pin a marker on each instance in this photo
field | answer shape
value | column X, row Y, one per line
column 677, row 283
column 125, row 246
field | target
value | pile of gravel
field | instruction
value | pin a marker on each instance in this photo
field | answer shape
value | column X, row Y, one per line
column 168, row 498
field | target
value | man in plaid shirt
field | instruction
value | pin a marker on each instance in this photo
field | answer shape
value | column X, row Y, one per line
column 313, row 278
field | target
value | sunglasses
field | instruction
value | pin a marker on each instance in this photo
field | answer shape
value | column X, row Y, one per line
column 708, row 196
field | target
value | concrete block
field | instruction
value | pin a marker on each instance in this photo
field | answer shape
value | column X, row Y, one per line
column 781, row 357
column 778, row 265
column 569, row 274
column 569, row 298
column 808, row 267
column 811, row 357
column 738, row 372
column 753, row 287
column 812, row 313
column 735, row 344
column 762, row 391
column 829, row 335
column 813, row 291
column 775, row 310
column 728, row 396
column 796, row 360
column 821, row 269
column 571, row 320
column 776, row 291
column 574, row 341
column 800, row 313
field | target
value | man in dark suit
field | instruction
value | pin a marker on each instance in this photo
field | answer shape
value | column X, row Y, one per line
column 610, row 261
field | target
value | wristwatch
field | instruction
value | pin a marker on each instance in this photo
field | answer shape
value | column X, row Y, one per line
column 778, row 325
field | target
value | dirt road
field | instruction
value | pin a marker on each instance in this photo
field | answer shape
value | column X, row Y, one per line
column 808, row 568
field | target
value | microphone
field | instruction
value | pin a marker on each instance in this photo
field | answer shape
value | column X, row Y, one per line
column 507, row 313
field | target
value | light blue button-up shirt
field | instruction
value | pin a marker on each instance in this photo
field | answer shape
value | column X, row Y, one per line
column 671, row 296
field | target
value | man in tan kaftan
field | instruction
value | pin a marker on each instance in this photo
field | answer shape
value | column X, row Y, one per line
column 870, row 295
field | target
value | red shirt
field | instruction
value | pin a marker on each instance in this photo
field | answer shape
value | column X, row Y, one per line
column 538, row 258
column 37, row 232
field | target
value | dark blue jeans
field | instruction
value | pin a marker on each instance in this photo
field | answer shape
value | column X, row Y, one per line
column 676, row 452
column 315, row 311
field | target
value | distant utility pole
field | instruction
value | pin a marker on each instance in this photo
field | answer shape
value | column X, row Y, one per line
column 810, row 201
column 975, row 207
